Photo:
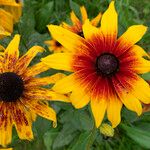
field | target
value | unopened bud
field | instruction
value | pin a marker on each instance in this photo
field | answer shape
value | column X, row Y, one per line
column 107, row 130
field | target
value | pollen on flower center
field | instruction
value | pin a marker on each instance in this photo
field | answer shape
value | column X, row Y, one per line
column 11, row 87
column 107, row 64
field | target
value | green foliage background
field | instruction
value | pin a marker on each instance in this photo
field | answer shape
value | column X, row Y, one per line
column 75, row 130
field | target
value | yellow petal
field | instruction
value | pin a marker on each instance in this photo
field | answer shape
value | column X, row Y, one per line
column 136, row 86
column 74, row 18
column 79, row 98
column 98, row 107
column 114, row 110
column 8, row 2
column 60, row 97
column 109, row 24
column 60, row 61
column 131, row 102
column 41, row 109
column 139, row 51
column 68, row 39
column 13, row 7
column 25, row 60
column 45, row 81
column 129, row 38
column 45, row 94
column 34, row 70
column 83, row 13
column 141, row 90
column 6, row 20
column 141, row 65
column 55, row 46
column 5, row 125
column 50, row 42
column 6, row 148
column 65, row 85
column 23, row 121
column 11, row 53
column 2, row 48
column 95, row 21
column 91, row 31
column 3, row 33
column 66, row 25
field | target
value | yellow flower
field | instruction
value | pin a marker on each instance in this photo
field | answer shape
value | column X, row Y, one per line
column 77, row 23
column 104, row 69
column 10, row 13
column 21, row 94
column 6, row 23
column 55, row 46
column 14, row 7
column 6, row 148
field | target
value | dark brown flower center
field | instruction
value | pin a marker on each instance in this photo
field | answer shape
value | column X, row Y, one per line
column 11, row 87
column 58, row 44
column 81, row 34
column 17, row 1
column 107, row 64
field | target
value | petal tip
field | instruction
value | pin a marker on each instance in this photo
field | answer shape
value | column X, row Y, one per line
column 112, row 4
column 17, row 37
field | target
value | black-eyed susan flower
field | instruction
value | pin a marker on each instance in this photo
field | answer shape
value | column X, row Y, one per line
column 21, row 94
column 77, row 23
column 104, row 69
column 6, row 148
column 14, row 7
column 6, row 23
column 55, row 46
column 10, row 12
column 76, row 27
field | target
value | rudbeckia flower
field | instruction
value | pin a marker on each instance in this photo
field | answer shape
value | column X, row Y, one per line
column 21, row 94
column 76, row 28
column 6, row 23
column 77, row 23
column 10, row 13
column 104, row 69
column 6, row 149
column 55, row 46
column 14, row 7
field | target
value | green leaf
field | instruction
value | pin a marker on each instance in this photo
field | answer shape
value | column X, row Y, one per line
column 79, row 119
column 141, row 137
column 65, row 136
column 75, row 7
column 146, row 76
column 85, row 140
column 43, row 16
column 49, row 137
